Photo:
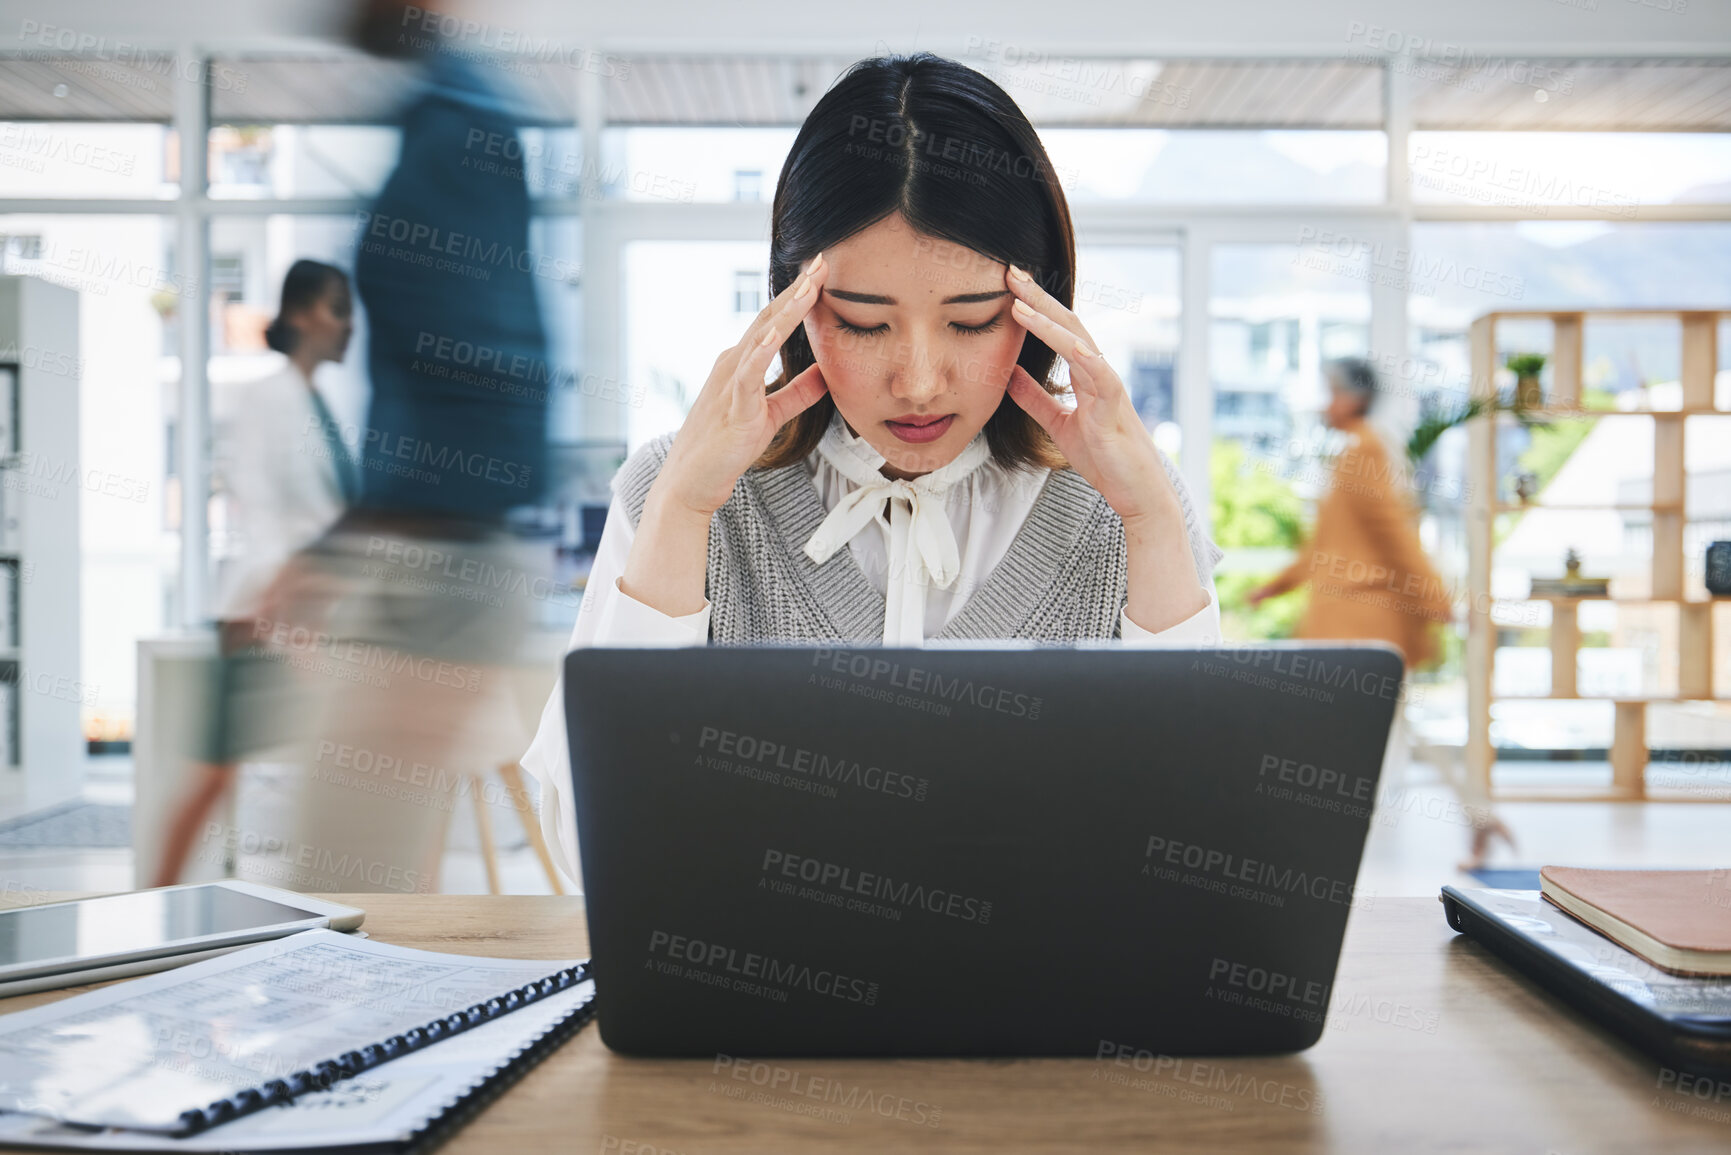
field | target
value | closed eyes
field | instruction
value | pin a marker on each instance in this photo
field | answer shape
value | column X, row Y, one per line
column 862, row 331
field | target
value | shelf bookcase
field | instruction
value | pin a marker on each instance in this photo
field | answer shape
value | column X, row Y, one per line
column 1629, row 752
column 42, row 483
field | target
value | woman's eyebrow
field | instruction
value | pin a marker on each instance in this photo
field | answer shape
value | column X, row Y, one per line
column 878, row 299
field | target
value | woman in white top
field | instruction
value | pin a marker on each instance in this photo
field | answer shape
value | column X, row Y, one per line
column 287, row 471
column 923, row 262
column 290, row 478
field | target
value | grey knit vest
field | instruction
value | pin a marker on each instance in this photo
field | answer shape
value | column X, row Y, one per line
column 1062, row 580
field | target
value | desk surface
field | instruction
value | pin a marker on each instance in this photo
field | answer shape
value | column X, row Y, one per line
column 1431, row 1046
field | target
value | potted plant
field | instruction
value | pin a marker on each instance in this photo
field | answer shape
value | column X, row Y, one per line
column 1439, row 421
column 1525, row 367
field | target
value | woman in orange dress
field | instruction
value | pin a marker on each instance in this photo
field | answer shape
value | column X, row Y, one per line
column 1370, row 579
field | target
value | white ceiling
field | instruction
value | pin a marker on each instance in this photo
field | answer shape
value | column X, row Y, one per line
column 1155, row 28
column 1562, row 94
column 1527, row 93
column 1073, row 91
column 1529, row 64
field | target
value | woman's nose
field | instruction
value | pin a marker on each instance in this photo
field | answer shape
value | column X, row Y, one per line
column 917, row 376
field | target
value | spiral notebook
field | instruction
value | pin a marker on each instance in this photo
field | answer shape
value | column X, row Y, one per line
column 274, row 1048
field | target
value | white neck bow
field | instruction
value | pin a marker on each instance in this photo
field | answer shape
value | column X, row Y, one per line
column 922, row 546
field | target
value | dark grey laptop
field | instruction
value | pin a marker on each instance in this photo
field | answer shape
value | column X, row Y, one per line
column 972, row 852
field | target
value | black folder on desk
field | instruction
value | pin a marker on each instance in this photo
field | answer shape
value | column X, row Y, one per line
column 1684, row 1021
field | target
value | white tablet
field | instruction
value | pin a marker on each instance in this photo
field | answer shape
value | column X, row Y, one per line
column 62, row 944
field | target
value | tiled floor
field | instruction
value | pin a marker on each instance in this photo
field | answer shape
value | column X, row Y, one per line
column 1416, row 841
column 1416, row 844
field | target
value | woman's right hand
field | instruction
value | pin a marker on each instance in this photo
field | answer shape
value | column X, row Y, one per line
column 734, row 418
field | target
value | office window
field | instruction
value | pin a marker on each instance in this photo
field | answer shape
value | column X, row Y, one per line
column 1156, row 166
column 228, row 278
column 240, row 159
column 1617, row 172
column 58, row 158
column 748, row 185
column 1234, row 166
column 748, row 291
column 334, row 160
column 681, row 310
column 1128, row 297
column 687, row 165
column 1461, row 270
column 1276, row 315
column 251, row 161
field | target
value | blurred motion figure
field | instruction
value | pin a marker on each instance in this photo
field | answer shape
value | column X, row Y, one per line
column 283, row 499
column 1368, row 573
column 416, row 601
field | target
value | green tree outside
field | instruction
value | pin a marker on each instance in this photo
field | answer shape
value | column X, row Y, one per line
column 1254, row 508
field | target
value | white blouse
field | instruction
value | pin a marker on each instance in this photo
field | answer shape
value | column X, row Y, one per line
column 281, row 472
column 937, row 539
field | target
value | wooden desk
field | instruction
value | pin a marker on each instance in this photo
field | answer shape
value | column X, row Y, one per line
column 1432, row 1046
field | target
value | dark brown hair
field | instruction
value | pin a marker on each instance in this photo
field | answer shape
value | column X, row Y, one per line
column 945, row 147
column 305, row 283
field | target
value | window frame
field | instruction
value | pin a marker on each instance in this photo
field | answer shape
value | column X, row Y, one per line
column 608, row 225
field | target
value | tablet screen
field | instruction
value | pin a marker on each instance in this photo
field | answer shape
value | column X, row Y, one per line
column 123, row 923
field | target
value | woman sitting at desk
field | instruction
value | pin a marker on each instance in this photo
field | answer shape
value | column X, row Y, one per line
column 913, row 471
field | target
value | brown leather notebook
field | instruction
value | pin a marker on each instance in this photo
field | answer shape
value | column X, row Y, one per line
column 1678, row 920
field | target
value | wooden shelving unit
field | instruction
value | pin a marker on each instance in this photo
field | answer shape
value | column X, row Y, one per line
column 1629, row 752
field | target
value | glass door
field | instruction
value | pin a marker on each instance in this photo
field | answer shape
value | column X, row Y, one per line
column 1273, row 301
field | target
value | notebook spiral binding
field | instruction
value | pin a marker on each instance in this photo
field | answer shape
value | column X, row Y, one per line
column 471, row 1104
column 321, row 1076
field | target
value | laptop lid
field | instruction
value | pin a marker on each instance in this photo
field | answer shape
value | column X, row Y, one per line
column 972, row 852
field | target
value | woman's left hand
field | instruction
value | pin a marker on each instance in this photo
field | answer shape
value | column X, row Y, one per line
column 1104, row 441
column 1102, row 437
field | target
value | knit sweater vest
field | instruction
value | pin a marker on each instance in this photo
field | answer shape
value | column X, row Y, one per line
column 1063, row 579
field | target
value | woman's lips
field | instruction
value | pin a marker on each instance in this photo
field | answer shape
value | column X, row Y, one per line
column 921, row 430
